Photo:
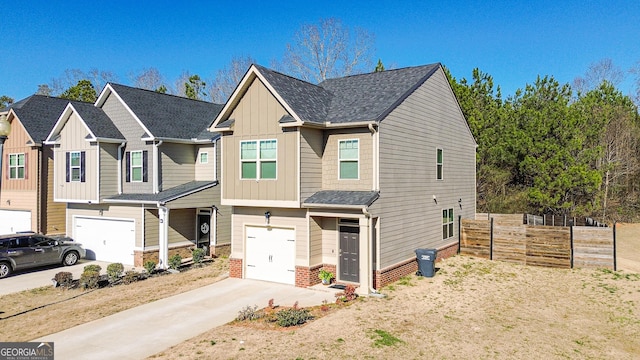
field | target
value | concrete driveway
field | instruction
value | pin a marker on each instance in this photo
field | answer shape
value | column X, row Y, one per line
column 148, row 329
column 35, row 278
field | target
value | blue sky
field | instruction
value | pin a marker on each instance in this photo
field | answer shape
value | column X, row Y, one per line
column 514, row 41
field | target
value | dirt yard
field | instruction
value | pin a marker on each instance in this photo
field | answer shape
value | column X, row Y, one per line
column 471, row 309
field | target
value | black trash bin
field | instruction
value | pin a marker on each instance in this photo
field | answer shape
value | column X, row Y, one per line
column 426, row 262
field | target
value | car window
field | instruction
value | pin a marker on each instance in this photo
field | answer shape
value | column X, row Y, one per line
column 4, row 244
column 40, row 241
column 19, row 242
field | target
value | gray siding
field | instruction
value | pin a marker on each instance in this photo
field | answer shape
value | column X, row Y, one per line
column 409, row 137
column 177, row 164
column 311, row 148
column 108, row 170
column 133, row 132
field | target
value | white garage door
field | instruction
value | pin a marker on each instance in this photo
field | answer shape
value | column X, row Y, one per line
column 105, row 239
column 270, row 254
column 12, row 221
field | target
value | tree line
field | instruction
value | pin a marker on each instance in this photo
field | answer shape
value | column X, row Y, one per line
column 555, row 149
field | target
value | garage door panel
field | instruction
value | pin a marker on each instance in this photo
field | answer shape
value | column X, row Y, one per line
column 13, row 221
column 111, row 240
column 270, row 254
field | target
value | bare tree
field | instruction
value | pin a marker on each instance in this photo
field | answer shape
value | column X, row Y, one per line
column 603, row 70
column 71, row 77
column 228, row 78
column 327, row 50
column 149, row 79
column 43, row 89
column 179, row 84
column 635, row 70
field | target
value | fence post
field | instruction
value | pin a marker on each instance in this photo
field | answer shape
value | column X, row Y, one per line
column 615, row 263
column 491, row 241
column 571, row 243
column 459, row 232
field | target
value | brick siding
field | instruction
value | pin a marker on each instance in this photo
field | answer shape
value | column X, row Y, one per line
column 235, row 268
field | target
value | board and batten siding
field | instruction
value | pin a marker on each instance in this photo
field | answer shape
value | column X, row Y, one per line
column 135, row 213
column 108, row 170
column 177, row 164
column 53, row 213
column 311, row 149
column 132, row 132
column 330, row 161
column 256, row 118
column 280, row 218
column 20, row 143
column 73, row 138
column 409, row 138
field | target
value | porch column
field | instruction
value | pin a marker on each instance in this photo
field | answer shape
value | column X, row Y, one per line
column 365, row 259
column 163, row 234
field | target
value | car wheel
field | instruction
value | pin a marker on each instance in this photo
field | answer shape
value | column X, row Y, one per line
column 5, row 269
column 70, row 258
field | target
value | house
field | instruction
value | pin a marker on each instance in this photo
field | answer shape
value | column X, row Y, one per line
column 26, row 198
column 138, row 172
column 351, row 175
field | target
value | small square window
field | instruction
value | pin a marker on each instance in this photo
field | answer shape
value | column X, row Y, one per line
column 204, row 157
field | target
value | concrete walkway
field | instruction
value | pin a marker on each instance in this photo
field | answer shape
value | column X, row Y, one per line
column 148, row 329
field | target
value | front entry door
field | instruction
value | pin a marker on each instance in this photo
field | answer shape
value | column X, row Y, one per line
column 204, row 230
column 349, row 257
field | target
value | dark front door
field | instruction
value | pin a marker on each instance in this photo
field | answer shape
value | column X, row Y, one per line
column 204, row 229
column 349, row 259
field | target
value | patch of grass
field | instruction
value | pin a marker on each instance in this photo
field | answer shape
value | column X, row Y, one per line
column 383, row 338
column 340, row 340
column 406, row 281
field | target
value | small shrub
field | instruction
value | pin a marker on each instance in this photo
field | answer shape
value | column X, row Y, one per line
column 89, row 279
column 149, row 266
column 131, row 276
column 175, row 261
column 64, row 279
column 293, row 317
column 349, row 294
column 325, row 306
column 93, row 267
column 197, row 255
column 248, row 313
column 114, row 272
column 271, row 304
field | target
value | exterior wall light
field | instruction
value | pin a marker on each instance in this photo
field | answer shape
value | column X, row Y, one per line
column 267, row 216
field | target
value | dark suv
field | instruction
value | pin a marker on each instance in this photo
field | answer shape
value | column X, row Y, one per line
column 28, row 250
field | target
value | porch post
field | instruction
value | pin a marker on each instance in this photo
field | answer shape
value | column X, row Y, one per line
column 365, row 258
column 163, row 240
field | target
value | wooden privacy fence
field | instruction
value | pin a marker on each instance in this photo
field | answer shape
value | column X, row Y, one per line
column 550, row 246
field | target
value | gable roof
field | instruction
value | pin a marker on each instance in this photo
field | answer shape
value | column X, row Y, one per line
column 38, row 114
column 352, row 99
column 162, row 115
column 99, row 124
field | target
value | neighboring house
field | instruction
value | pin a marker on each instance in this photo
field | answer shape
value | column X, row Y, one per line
column 138, row 171
column 26, row 198
column 351, row 175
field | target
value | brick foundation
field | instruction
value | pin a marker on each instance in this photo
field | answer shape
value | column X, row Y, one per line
column 393, row 273
column 140, row 257
column 235, row 268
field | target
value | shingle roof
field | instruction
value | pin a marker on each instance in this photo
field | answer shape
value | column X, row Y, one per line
column 168, row 116
column 38, row 114
column 97, row 121
column 173, row 193
column 366, row 97
column 341, row 198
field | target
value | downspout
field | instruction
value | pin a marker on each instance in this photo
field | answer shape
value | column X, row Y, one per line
column 156, row 167
column 120, row 167
column 367, row 214
column 376, row 156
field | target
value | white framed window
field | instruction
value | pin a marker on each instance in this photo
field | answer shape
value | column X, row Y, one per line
column 348, row 158
column 447, row 223
column 75, row 165
column 136, row 166
column 439, row 161
column 258, row 159
column 17, row 166
column 204, row 157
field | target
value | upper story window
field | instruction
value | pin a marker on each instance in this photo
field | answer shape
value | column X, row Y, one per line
column 204, row 158
column 348, row 156
column 439, row 159
column 75, row 161
column 258, row 159
column 447, row 223
column 137, row 164
column 17, row 169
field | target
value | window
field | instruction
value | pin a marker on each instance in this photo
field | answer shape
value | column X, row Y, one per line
column 75, row 166
column 348, row 159
column 258, row 159
column 136, row 166
column 204, row 158
column 16, row 166
column 439, row 164
column 447, row 223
